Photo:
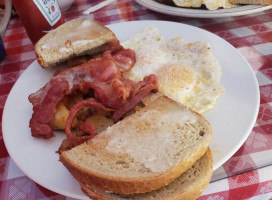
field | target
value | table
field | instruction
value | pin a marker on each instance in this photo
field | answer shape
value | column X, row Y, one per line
column 246, row 175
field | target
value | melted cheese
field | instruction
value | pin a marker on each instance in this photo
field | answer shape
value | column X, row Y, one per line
column 75, row 44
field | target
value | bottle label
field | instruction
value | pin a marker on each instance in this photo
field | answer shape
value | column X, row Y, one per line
column 49, row 9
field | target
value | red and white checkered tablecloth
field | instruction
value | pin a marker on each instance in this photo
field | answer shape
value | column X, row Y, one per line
column 250, row 34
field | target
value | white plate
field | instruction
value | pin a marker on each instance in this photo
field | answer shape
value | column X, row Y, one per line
column 201, row 13
column 232, row 119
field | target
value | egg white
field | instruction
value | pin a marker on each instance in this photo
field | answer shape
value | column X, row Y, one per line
column 187, row 72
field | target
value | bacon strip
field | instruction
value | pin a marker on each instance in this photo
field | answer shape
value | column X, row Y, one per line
column 143, row 88
column 44, row 108
column 88, row 128
column 99, row 72
column 141, row 93
column 101, row 75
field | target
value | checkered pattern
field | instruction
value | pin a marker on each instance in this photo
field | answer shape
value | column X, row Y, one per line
column 250, row 34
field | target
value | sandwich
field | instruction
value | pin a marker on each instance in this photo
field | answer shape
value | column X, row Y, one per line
column 66, row 44
column 143, row 153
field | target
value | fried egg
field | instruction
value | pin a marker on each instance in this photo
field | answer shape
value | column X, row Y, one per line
column 187, row 72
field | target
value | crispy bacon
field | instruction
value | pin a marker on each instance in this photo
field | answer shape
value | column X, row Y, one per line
column 137, row 91
column 142, row 89
column 101, row 75
column 44, row 107
column 84, row 126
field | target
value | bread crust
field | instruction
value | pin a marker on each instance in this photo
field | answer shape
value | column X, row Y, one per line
column 90, row 52
column 184, row 192
column 127, row 185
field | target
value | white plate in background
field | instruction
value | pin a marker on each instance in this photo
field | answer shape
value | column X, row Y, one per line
column 201, row 13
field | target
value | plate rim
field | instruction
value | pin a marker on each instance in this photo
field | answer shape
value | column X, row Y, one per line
column 189, row 12
column 66, row 193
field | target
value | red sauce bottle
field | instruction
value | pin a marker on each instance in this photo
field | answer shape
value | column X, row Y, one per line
column 39, row 16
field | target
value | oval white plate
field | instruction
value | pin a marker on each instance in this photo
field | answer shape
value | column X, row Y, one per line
column 232, row 118
column 202, row 13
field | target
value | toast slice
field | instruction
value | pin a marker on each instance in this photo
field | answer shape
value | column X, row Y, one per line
column 144, row 151
column 189, row 186
column 74, row 38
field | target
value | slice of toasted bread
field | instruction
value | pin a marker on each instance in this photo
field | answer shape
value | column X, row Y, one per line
column 144, row 151
column 189, row 186
column 74, row 38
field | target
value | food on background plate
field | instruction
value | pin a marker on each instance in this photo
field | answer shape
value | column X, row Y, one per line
column 214, row 4
column 143, row 152
column 187, row 72
column 168, row 2
column 252, row 2
column 208, row 4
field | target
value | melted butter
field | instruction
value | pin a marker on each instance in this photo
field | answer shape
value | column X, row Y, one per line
column 86, row 31
column 146, row 137
column 75, row 44
column 74, row 78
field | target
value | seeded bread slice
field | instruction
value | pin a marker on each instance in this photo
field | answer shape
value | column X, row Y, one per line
column 74, row 38
column 189, row 186
column 144, row 151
